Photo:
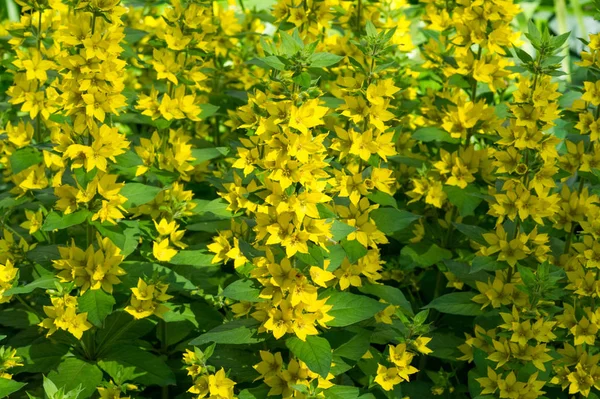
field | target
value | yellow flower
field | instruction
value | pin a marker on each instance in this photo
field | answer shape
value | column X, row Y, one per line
column 162, row 251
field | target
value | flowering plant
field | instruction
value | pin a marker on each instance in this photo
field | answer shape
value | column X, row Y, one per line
column 297, row 199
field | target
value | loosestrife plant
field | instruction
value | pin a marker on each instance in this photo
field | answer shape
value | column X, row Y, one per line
column 297, row 199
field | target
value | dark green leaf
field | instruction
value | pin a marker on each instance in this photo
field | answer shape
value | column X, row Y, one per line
column 98, row 304
column 56, row 221
column 206, row 154
column 315, row 352
column 389, row 294
column 429, row 134
column 391, row 220
column 138, row 194
column 354, row 250
column 458, row 303
column 465, row 199
column 242, row 290
column 24, row 158
column 475, row 233
column 351, row 308
column 147, row 368
column 237, row 332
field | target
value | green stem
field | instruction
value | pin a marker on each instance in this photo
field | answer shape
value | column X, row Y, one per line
column 579, row 15
column 358, row 16
column 28, row 306
column 560, row 7
column 39, row 32
column 93, row 23
column 162, row 330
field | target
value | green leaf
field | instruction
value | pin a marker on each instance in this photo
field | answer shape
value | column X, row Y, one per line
column 192, row 258
column 425, row 254
column 55, row 221
column 41, row 356
column 303, row 80
column 147, row 368
column 341, row 392
column 206, row 154
column 486, row 263
column 458, row 303
column 340, row 230
column 8, row 387
column 124, row 234
column 72, row 372
column 355, row 347
column 392, row 220
column 138, row 194
column 208, row 110
column 315, row 352
column 354, row 250
column 382, row 198
column 323, row 60
column 217, row 207
column 44, row 282
column 273, row 62
column 237, row 332
column 429, row 134
column 475, row 233
column 464, row 199
column 336, row 257
column 98, row 304
column 351, row 308
column 389, row 294
column 242, row 290
column 25, row 158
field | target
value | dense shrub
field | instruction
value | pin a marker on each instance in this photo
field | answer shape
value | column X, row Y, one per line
column 308, row 199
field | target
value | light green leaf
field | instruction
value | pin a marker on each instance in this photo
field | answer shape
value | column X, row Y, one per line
column 44, row 282
column 340, row 230
column 8, row 387
column 192, row 258
column 341, row 392
column 315, row 352
column 72, row 372
column 323, row 60
column 273, row 62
